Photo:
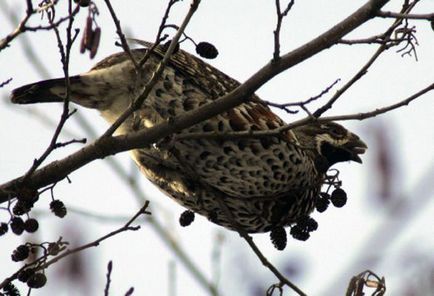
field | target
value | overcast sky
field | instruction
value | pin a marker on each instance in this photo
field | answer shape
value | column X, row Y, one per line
column 242, row 32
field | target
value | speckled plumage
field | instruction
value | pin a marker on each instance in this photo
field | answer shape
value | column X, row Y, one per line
column 266, row 182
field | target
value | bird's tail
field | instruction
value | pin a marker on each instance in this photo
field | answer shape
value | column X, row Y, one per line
column 45, row 91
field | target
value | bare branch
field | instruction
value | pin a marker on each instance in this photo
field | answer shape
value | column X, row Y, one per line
column 278, row 131
column 361, row 116
column 121, row 34
column 156, row 75
column 301, row 104
column 67, row 253
column 400, row 15
column 366, row 279
column 54, row 24
column 22, row 26
column 385, row 37
column 2, row 84
column 280, row 15
column 108, row 278
column 159, row 36
column 65, row 54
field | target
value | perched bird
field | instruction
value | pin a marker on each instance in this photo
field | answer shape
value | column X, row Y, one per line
column 265, row 182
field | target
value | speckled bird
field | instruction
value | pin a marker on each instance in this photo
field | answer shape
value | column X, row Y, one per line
column 265, row 182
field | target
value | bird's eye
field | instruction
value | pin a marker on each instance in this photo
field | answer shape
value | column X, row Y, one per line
column 335, row 131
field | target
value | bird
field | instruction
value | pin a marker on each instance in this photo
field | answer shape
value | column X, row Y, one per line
column 253, row 184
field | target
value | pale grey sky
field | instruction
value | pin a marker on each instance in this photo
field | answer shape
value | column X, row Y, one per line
column 242, row 32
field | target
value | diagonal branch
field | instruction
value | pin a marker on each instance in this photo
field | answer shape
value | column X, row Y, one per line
column 400, row 15
column 385, row 38
column 126, row 227
column 280, row 15
column 278, row 131
column 121, row 34
column 156, row 75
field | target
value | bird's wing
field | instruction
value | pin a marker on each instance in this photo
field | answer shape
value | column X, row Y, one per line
column 238, row 167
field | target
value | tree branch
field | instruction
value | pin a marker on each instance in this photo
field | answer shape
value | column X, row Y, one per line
column 156, row 75
column 121, row 34
column 280, row 15
column 95, row 243
column 21, row 28
column 278, row 131
column 385, row 44
column 400, row 15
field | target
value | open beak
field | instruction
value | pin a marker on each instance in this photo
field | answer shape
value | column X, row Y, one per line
column 356, row 147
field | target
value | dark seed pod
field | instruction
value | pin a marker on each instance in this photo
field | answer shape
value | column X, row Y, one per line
column 186, row 218
column 24, row 275
column 307, row 224
column 10, row 290
column 338, row 197
column 311, row 225
column 53, row 249
column 86, row 41
column 31, row 225
column 206, row 50
column 298, row 233
column 21, row 208
column 322, row 204
column 96, row 36
column 17, row 225
column 3, row 228
column 278, row 238
column 20, row 253
column 58, row 208
column 37, row 280
column 83, row 45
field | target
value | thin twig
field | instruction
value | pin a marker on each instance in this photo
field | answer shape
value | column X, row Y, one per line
column 20, row 28
column 121, row 35
column 54, row 24
column 67, row 253
column 5, row 82
column 364, row 115
column 130, row 291
column 65, row 54
column 400, row 15
column 280, row 15
column 108, row 278
column 384, row 46
column 159, row 37
column 126, row 227
column 301, row 104
column 156, row 75
column 279, row 131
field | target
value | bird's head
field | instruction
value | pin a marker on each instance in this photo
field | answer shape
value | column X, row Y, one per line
column 331, row 141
